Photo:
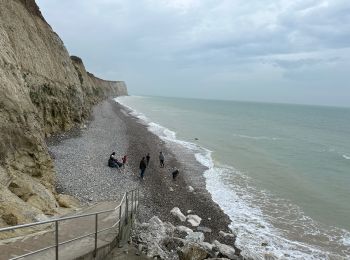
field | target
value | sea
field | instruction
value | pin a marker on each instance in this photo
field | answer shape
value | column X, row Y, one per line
column 281, row 172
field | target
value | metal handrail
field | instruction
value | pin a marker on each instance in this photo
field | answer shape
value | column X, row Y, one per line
column 134, row 201
column 63, row 218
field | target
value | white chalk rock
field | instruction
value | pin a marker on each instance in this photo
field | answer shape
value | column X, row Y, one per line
column 190, row 189
column 207, row 246
column 152, row 235
column 171, row 189
column 189, row 211
column 194, row 220
column 184, row 229
column 224, row 234
column 195, row 237
column 225, row 250
column 204, row 229
column 177, row 213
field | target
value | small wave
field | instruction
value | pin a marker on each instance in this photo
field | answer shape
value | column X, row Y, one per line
column 257, row 137
column 346, row 157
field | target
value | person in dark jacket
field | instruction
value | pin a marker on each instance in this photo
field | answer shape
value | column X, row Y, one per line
column 161, row 159
column 143, row 167
column 113, row 161
column 175, row 173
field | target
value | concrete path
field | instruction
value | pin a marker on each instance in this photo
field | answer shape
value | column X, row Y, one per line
column 68, row 229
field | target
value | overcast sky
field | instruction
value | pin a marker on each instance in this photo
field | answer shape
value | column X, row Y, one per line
column 294, row 51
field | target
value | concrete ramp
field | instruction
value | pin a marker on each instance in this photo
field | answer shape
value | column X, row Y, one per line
column 72, row 232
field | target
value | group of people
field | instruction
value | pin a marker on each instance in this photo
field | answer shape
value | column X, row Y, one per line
column 145, row 161
column 115, row 163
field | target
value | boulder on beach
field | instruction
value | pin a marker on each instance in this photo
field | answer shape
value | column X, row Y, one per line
column 177, row 213
column 207, row 246
column 195, row 237
column 184, row 229
column 225, row 250
column 204, row 229
column 194, row 220
column 67, row 201
column 153, row 234
column 192, row 251
column 190, row 189
column 224, row 234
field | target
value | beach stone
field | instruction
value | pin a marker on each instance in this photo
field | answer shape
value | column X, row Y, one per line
column 224, row 234
column 177, row 213
column 67, row 201
column 189, row 211
column 270, row 256
column 194, row 220
column 184, row 229
column 195, row 237
column 204, row 229
column 225, row 250
column 192, row 251
column 152, row 235
column 206, row 245
column 171, row 189
column 172, row 243
column 190, row 189
column 227, row 238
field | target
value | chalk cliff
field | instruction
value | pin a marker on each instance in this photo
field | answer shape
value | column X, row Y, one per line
column 42, row 91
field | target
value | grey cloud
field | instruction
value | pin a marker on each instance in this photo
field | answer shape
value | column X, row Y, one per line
column 156, row 44
column 302, row 63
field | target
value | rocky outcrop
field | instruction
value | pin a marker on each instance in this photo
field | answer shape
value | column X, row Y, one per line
column 161, row 240
column 42, row 91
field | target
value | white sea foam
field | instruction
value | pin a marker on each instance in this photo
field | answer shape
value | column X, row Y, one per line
column 347, row 157
column 256, row 137
column 239, row 201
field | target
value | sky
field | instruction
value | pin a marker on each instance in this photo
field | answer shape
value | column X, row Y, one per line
column 285, row 51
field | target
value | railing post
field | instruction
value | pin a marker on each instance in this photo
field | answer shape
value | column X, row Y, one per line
column 120, row 220
column 138, row 202
column 132, row 204
column 96, row 230
column 132, row 209
column 126, row 209
column 56, row 239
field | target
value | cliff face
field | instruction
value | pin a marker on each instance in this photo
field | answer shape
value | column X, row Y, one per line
column 42, row 91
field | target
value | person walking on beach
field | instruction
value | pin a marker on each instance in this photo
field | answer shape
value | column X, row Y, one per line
column 148, row 157
column 175, row 173
column 161, row 159
column 143, row 167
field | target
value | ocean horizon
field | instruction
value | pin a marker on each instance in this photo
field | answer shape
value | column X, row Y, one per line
column 281, row 172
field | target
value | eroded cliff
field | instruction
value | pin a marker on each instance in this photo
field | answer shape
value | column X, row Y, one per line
column 42, row 91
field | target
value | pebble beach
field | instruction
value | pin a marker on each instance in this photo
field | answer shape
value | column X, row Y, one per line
column 80, row 157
